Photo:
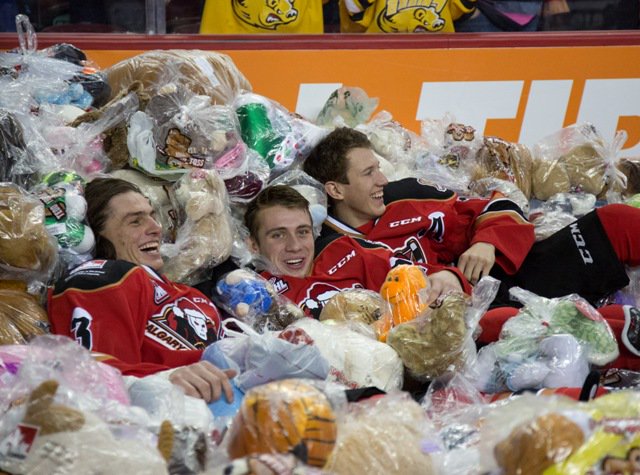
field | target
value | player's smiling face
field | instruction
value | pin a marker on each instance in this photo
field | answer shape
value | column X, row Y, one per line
column 132, row 228
column 285, row 238
column 362, row 199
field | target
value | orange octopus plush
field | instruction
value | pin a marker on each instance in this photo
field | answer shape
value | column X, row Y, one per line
column 401, row 290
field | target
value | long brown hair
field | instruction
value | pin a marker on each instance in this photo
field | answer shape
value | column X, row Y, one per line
column 98, row 193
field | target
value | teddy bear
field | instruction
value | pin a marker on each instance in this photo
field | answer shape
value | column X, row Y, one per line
column 504, row 160
column 26, row 248
column 382, row 436
column 538, row 444
column 205, row 237
column 56, row 438
column 251, row 298
column 21, row 316
column 435, row 342
column 347, row 105
column 577, row 158
column 359, row 305
column 206, row 73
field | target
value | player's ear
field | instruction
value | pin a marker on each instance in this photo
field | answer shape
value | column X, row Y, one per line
column 252, row 244
column 334, row 190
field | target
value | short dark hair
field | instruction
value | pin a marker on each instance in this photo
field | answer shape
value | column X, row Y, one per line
column 328, row 159
column 275, row 195
column 98, row 193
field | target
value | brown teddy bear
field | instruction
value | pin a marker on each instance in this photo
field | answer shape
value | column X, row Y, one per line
column 203, row 72
column 433, row 343
column 537, row 445
column 508, row 161
column 359, row 305
column 21, row 317
column 26, row 248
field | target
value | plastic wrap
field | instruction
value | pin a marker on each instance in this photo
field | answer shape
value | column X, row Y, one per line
column 288, row 416
column 202, row 72
column 508, row 161
column 559, row 211
column 311, row 189
column 381, row 436
column 355, row 360
column 348, row 105
column 62, row 194
column 205, row 235
column 449, row 158
column 542, row 317
column 279, row 137
column 56, row 437
column 577, row 158
column 354, row 305
column 394, row 143
column 441, row 339
column 270, row 356
column 27, row 251
column 250, row 298
column 484, row 187
column 244, row 172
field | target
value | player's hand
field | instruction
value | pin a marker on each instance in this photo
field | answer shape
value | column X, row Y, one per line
column 204, row 380
column 440, row 284
column 477, row 261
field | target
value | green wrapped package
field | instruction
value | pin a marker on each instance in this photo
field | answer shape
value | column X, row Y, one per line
column 257, row 131
column 578, row 319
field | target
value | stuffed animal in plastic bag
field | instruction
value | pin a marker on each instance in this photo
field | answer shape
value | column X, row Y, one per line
column 21, row 316
column 62, row 194
column 287, row 416
column 348, row 105
column 358, row 305
column 435, row 342
column 55, row 438
column 504, row 160
column 539, row 444
column 251, row 298
column 577, row 158
column 26, row 248
column 401, row 290
column 205, row 237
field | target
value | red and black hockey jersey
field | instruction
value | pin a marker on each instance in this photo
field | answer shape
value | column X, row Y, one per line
column 340, row 263
column 428, row 224
column 134, row 315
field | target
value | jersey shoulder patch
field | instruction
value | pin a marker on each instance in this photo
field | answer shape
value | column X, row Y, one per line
column 414, row 189
column 95, row 274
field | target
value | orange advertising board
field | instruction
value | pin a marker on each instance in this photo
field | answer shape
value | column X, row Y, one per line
column 518, row 93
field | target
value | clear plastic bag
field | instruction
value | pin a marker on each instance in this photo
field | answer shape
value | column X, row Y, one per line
column 348, row 105
column 205, row 235
column 249, row 297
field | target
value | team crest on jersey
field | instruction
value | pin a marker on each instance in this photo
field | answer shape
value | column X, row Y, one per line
column 411, row 16
column 265, row 14
column 182, row 325
column 436, row 227
column 318, row 295
column 411, row 251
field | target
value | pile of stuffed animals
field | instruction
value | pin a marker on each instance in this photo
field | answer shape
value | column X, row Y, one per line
column 187, row 129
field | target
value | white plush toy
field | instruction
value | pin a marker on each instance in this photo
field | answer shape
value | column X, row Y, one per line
column 205, row 237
